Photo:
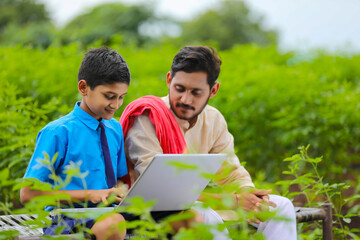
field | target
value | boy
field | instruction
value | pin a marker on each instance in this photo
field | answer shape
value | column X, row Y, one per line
column 88, row 134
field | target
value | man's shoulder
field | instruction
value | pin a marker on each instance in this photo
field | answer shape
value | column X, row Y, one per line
column 214, row 117
column 113, row 124
column 212, row 111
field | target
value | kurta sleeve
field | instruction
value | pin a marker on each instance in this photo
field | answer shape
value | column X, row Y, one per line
column 224, row 143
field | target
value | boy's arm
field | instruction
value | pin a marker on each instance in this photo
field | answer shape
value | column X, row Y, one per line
column 94, row 196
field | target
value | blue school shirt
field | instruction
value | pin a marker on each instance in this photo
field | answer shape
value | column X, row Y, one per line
column 76, row 138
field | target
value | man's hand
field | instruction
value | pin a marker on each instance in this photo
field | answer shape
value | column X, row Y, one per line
column 256, row 200
column 96, row 196
column 264, row 195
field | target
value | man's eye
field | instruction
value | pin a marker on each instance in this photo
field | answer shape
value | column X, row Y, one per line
column 179, row 89
column 196, row 93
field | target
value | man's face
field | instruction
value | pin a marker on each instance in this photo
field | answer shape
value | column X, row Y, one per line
column 103, row 100
column 189, row 93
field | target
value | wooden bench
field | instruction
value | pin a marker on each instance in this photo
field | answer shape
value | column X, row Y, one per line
column 303, row 214
column 16, row 222
column 311, row 214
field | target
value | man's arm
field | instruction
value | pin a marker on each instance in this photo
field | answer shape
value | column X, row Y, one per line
column 231, row 172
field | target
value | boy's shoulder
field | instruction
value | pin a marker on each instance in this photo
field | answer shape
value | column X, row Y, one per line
column 114, row 125
column 61, row 123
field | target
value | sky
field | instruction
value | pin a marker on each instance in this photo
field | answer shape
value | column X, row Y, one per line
column 332, row 25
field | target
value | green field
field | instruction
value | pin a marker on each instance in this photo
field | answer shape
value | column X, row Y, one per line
column 274, row 103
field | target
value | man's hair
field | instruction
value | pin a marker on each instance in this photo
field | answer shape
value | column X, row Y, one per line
column 101, row 66
column 197, row 59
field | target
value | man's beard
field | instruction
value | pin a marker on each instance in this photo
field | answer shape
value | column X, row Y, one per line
column 193, row 117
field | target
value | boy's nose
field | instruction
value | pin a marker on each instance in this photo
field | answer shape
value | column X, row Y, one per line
column 119, row 104
column 114, row 105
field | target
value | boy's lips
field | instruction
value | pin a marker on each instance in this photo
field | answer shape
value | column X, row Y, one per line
column 110, row 111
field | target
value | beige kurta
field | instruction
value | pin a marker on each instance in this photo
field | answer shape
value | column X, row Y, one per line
column 208, row 135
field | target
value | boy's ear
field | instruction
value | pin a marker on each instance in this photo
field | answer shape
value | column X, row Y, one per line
column 82, row 87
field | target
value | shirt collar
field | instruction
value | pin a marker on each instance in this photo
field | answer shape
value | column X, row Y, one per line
column 86, row 118
column 184, row 124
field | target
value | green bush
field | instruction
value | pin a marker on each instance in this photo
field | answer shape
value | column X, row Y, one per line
column 274, row 102
column 273, row 105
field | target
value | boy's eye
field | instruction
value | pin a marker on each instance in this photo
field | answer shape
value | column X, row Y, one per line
column 109, row 97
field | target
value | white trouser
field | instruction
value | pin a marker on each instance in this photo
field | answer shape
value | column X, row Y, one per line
column 271, row 229
column 213, row 218
column 280, row 229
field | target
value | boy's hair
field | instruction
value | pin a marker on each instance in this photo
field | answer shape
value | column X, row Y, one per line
column 101, row 66
column 197, row 59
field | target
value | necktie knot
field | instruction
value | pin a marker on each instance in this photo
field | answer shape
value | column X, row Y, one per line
column 101, row 125
column 109, row 170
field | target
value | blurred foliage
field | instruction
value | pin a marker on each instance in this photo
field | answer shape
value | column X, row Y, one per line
column 145, row 227
column 21, row 12
column 273, row 102
column 116, row 23
column 104, row 21
column 32, row 34
column 231, row 24
column 304, row 173
column 25, row 22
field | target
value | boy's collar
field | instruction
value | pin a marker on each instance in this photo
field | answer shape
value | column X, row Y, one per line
column 86, row 118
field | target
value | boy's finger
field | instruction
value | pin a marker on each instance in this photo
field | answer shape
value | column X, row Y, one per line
column 120, row 192
column 255, row 220
column 103, row 198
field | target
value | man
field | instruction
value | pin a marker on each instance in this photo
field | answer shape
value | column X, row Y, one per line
column 191, row 83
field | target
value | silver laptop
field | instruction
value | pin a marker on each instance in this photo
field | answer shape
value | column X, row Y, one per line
column 174, row 181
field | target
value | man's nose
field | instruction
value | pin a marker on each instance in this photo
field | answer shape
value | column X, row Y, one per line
column 186, row 98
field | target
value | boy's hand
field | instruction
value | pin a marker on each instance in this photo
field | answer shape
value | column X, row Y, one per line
column 96, row 196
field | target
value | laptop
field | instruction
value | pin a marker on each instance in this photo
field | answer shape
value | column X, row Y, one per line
column 174, row 181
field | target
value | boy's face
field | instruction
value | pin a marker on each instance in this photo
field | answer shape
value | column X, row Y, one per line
column 103, row 100
column 189, row 93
